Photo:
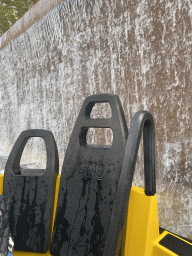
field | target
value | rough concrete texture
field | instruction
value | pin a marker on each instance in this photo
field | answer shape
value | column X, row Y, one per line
column 35, row 13
column 141, row 51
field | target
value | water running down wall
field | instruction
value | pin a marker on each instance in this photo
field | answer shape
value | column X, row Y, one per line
column 139, row 50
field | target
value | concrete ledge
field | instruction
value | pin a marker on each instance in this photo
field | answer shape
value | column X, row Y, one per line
column 36, row 12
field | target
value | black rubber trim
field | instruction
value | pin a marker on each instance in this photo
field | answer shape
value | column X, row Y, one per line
column 176, row 245
column 161, row 230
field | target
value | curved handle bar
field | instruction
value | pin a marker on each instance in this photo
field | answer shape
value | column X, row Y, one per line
column 142, row 121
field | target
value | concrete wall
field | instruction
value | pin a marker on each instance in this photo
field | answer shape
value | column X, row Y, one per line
column 139, row 50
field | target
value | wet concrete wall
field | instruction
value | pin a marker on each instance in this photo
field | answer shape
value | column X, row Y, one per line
column 139, row 50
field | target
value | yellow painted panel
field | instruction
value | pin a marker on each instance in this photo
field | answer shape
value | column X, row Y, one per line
column 142, row 223
column 159, row 250
column 1, row 183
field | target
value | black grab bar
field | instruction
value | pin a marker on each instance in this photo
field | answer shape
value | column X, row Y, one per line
column 141, row 122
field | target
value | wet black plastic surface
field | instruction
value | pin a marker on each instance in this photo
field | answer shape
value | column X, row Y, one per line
column 31, row 194
column 4, row 225
column 89, row 183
